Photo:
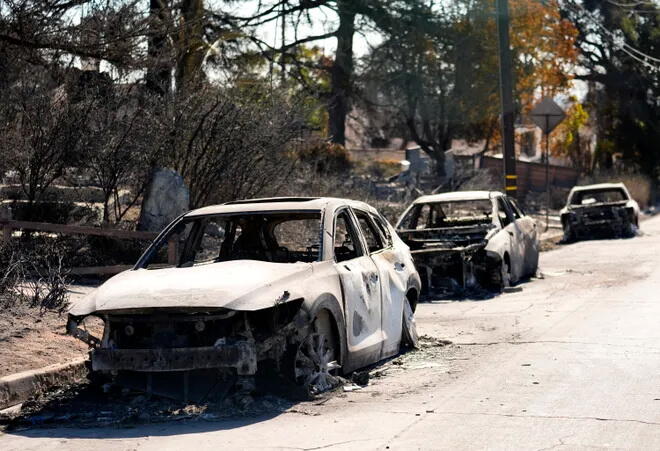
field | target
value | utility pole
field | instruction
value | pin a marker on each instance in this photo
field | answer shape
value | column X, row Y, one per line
column 283, row 37
column 506, row 96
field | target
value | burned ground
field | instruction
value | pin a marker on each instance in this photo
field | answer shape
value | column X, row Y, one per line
column 31, row 340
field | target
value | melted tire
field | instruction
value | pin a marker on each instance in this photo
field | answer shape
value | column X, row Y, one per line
column 409, row 336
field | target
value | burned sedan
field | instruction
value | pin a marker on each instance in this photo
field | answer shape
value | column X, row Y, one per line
column 599, row 210
column 469, row 239
column 312, row 287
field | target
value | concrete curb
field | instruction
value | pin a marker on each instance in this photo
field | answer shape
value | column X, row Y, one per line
column 17, row 388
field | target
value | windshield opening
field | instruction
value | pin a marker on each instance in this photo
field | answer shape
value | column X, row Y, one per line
column 448, row 214
column 598, row 196
column 270, row 237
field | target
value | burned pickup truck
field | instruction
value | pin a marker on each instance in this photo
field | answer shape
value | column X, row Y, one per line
column 310, row 287
column 599, row 210
column 469, row 239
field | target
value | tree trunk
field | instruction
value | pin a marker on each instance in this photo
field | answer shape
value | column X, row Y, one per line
column 158, row 71
column 341, row 73
column 191, row 46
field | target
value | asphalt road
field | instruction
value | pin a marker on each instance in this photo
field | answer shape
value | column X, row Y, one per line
column 572, row 361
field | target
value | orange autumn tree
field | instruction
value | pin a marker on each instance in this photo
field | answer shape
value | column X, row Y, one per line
column 544, row 48
column 437, row 69
column 544, row 55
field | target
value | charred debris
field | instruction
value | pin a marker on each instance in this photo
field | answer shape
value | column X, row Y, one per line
column 184, row 354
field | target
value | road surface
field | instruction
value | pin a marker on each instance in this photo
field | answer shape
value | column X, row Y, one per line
column 572, row 361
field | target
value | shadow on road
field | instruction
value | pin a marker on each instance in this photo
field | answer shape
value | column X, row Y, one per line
column 77, row 410
column 473, row 294
column 86, row 411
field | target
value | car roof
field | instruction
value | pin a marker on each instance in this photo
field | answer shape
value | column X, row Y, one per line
column 271, row 204
column 458, row 195
column 598, row 186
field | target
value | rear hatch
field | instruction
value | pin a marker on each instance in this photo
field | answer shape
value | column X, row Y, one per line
column 601, row 213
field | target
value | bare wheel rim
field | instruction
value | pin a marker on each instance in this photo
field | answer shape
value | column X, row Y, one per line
column 315, row 362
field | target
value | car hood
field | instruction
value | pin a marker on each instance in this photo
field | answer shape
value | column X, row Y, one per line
column 246, row 285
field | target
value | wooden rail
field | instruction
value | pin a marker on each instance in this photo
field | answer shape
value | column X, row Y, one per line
column 9, row 225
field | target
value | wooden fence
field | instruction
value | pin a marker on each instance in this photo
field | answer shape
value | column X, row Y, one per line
column 8, row 226
column 531, row 176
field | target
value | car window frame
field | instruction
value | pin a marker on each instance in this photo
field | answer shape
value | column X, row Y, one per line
column 517, row 214
column 516, row 205
column 374, row 229
column 385, row 228
column 507, row 211
column 353, row 229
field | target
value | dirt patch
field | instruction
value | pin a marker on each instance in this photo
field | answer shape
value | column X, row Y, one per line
column 548, row 244
column 30, row 340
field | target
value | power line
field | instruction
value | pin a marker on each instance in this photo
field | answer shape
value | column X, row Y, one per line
column 647, row 60
column 633, row 4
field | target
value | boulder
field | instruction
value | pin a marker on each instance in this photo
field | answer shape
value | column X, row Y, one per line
column 166, row 198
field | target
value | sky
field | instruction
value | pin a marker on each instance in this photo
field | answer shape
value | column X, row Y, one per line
column 324, row 20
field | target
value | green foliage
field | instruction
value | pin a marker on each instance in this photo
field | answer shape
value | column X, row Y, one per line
column 436, row 72
column 568, row 140
column 613, row 39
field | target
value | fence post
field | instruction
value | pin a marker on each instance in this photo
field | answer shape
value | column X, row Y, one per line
column 6, row 232
column 172, row 249
column 5, row 223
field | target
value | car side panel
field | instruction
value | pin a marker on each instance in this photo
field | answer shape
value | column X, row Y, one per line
column 393, row 281
column 362, row 298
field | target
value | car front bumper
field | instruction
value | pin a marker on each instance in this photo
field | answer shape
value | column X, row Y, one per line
column 240, row 355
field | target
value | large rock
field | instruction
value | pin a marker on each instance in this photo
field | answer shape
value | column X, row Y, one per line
column 167, row 197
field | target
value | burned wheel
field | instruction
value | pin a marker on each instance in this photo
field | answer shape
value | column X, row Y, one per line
column 628, row 230
column 315, row 362
column 409, row 336
column 500, row 276
column 569, row 233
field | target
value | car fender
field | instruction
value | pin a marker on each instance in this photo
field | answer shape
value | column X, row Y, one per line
column 414, row 283
column 499, row 243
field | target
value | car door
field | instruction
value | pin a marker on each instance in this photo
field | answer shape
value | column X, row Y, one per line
column 393, row 283
column 360, row 284
column 516, row 238
column 529, row 229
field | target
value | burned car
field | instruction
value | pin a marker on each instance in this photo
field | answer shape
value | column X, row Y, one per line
column 599, row 210
column 469, row 239
column 313, row 287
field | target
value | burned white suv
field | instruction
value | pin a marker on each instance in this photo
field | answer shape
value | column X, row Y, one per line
column 311, row 286
column 468, row 239
column 606, row 209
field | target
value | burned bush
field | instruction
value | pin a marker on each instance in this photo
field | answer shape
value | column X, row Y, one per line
column 33, row 276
